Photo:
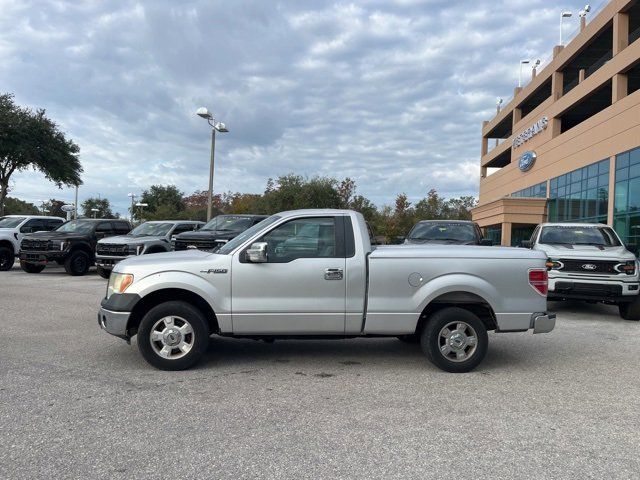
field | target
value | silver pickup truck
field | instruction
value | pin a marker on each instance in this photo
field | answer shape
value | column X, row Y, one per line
column 314, row 274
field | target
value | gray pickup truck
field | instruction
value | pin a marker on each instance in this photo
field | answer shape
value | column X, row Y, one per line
column 314, row 274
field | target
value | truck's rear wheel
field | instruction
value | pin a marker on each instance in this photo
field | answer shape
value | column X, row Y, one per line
column 630, row 310
column 103, row 272
column 173, row 336
column 455, row 340
column 31, row 267
column 7, row 258
column 77, row 264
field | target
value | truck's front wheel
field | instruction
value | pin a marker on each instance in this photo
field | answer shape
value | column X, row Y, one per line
column 31, row 267
column 630, row 310
column 7, row 258
column 173, row 336
column 455, row 340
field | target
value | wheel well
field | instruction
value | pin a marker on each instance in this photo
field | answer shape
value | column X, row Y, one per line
column 167, row 295
column 8, row 244
column 469, row 301
column 156, row 249
column 83, row 248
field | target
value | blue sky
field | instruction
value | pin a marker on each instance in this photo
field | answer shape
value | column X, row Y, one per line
column 390, row 93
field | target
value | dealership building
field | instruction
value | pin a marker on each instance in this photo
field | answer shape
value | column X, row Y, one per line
column 567, row 147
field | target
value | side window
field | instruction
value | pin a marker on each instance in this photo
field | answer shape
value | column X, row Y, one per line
column 53, row 224
column 302, row 238
column 184, row 227
column 34, row 225
column 534, row 235
column 104, row 227
column 122, row 228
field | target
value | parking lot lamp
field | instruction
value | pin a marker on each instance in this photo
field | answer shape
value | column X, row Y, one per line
column 563, row 15
column 95, row 211
column 140, row 207
column 215, row 126
column 522, row 62
column 133, row 199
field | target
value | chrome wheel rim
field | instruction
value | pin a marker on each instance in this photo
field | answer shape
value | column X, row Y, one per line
column 457, row 341
column 172, row 337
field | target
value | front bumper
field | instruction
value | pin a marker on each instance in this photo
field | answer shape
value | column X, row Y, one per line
column 599, row 289
column 114, row 314
column 543, row 323
column 42, row 258
column 109, row 262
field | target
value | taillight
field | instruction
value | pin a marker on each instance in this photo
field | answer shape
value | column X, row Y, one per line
column 539, row 280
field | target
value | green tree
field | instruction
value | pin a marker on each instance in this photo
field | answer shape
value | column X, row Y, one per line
column 30, row 140
column 163, row 202
column 103, row 206
column 53, row 208
column 13, row 206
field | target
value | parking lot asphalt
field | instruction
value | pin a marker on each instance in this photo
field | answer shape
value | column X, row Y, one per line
column 78, row 403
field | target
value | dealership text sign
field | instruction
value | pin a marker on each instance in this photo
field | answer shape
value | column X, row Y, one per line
column 531, row 132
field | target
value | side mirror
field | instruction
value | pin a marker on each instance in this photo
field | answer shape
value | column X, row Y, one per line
column 526, row 244
column 26, row 230
column 633, row 248
column 257, row 253
column 486, row 242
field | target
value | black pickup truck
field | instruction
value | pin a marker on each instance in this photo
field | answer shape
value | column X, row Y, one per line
column 216, row 232
column 72, row 244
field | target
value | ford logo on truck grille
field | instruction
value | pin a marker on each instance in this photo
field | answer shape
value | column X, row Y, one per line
column 589, row 266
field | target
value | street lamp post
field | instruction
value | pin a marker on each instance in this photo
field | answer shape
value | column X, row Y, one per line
column 562, row 16
column 95, row 211
column 215, row 126
column 133, row 198
column 140, row 207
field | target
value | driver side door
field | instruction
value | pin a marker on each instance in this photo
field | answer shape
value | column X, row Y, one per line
column 301, row 288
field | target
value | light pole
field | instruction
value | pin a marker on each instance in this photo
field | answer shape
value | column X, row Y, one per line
column 95, row 211
column 133, row 198
column 562, row 16
column 140, row 207
column 583, row 16
column 222, row 128
column 522, row 62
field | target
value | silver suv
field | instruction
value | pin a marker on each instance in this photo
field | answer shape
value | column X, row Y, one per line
column 588, row 261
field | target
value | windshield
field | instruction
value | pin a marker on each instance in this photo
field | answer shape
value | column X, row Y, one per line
column 76, row 226
column 227, row 222
column 150, row 229
column 598, row 236
column 11, row 222
column 240, row 239
column 452, row 232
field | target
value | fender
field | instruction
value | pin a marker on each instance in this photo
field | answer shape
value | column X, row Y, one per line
column 456, row 282
column 220, row 303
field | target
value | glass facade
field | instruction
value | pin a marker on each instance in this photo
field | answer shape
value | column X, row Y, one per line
column 536, row 191
column 494, row 234
column 626, row 204
column 581, row 195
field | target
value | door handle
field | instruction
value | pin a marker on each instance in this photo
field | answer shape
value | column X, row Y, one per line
column 333, row 274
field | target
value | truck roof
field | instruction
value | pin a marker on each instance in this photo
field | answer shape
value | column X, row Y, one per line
column 573, row 224
column 315, row 211
column 34, row 216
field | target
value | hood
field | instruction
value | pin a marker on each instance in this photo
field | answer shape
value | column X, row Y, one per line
column 208, row 234
column 57, row 236
column 130, row 239
column 190, row 261
column 586, row 252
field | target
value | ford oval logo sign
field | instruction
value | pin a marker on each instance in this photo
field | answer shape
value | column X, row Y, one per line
column 526, row 161
column 589, row 266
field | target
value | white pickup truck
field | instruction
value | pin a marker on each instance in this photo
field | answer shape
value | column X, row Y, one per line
column 14, row 227
column 314, row 274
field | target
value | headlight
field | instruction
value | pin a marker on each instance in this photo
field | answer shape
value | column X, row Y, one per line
column 118, row 283
column 135, row 249
column 628, row 267
column 553, row 264
column 57, row 245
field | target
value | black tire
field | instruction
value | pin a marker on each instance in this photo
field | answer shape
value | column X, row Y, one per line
column 411, row 338
column 184, row 312
column 103, row 272
column 431, row 340
column 7, row 259
column 77, row 264
column 31, row 267
column 631, row 310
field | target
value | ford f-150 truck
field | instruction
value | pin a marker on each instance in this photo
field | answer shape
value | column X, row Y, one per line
column 588, row 261
column 313, row 273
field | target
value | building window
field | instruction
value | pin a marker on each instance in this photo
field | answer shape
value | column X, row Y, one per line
column 581, row 195
column 536, row 191
column 494, row 234
column 626, row 204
